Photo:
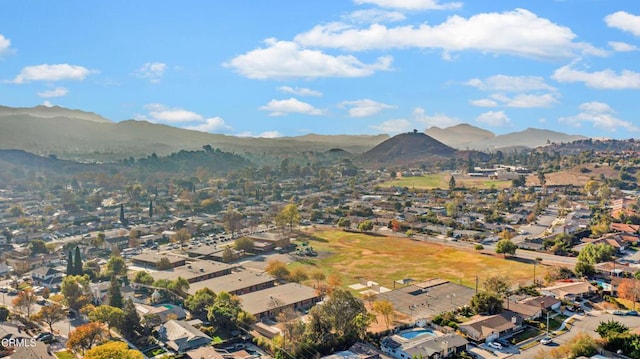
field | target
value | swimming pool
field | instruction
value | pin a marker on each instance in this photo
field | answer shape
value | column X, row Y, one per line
column 416, row 333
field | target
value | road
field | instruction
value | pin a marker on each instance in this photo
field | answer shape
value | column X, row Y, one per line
column 491, row 249
column 584, row 324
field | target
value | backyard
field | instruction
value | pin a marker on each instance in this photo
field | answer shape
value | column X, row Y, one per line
column 384, row 259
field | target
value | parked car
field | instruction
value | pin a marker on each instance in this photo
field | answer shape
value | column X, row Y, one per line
column 495, row 345
column 45, row 337
column 546, row 341
column 632, row 313
column 504, row 342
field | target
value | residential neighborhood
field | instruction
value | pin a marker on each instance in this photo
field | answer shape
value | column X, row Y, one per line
column 174, row 278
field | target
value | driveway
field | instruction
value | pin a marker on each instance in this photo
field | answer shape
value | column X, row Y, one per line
column 583, row 324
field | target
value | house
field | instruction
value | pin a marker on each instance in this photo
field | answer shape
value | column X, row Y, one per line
column 625, row 228
column 194, row 271
column 100, row 292
column 265, row 303
column 47, row 277
column 422, row 343
column 162, row 312
column 527, row 311
column 151, row 260
column 116, row 243
column 358, row 351
column 570, row 290
column 428, row 298
column 545, row 302
column 182, row 336
column 204, row 353
column 491, row 327
column 236, row 283
column 19, row 344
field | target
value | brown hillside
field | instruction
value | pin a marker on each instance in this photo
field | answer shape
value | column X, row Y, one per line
column 407, row 148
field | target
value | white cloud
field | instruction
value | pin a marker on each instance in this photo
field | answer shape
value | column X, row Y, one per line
column 393, row 126
column 485, row 102
column 56, row 92
column 505, row 83
column 300, row 91
column 48, row 104
column 214, row 124
column 600, row 115
column 159, row 112
column 266, row 134
column 270, row 134
column 412, row 4
column 497, row 33
column 291, row 105
column 364, row 107
column 58, row 72
column 5, row 45
column 494, row 118
column 624, row 21
column 153, row 71
column 439, row 119
column 622, row 46
column 286, row 59
column 606, row 79
column 372, row 16
column 527, row 100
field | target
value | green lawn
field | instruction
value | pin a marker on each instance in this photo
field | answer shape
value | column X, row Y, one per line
column 386, row 259
column 64, row 355
column 441, row 180
column 528, row 333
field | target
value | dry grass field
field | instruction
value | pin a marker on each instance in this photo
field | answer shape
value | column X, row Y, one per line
column 441, row 180
column 384, row 259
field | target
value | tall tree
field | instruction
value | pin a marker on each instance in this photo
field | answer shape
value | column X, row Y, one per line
column 484, row 302
column 224, row 311
column 115, row 295
column 232, row 220
column 288, row 216
column 384, row 308
column 452, row 183
column 70, row 267
column 85, row 336
column 198, row 303
column 77, row 262
column 131, row 322
column 112, row 350
column 50, row 314
column 111, row 316
column 116, row 266
column 505, row 246
column 150, row 209
column 75, row 290
column 340, row 311
column 25, row 301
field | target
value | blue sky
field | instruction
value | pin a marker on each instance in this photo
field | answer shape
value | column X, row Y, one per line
column 286, row 68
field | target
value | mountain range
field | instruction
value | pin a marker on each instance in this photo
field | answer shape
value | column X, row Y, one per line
column 468, row 137
column 80, row 135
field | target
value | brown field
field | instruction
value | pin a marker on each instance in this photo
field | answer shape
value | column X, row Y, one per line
column 573, row 176
column 384, row 259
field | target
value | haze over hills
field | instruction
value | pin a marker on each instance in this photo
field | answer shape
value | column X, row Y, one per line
column 465, row 136
column 52, row 112
column 78, row 134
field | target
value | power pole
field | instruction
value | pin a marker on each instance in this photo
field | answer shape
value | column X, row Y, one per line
column 476, row 284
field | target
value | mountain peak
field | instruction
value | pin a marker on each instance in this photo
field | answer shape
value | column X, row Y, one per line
column 42, row 111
